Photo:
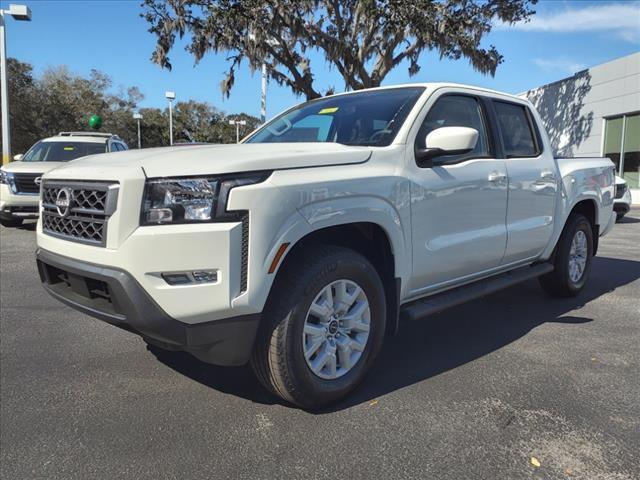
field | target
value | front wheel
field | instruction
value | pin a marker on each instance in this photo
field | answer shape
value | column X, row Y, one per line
column 572, row 262
column 323, row 326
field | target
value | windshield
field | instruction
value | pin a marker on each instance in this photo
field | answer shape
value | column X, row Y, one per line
column 369, row 118
column 62, row 151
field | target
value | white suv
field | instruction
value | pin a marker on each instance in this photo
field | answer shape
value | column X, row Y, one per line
column 299, row 249
column 20, row 179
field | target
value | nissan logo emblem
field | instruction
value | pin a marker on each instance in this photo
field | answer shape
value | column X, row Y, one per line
column 38, row 181
column 63, row 201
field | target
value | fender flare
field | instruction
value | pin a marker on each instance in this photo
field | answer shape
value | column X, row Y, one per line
column 335, row 212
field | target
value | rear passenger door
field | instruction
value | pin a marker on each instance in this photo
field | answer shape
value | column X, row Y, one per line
column 533, row 182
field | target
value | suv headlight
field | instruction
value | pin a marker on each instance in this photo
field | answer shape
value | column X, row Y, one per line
column 192, row 200
column 6, row 178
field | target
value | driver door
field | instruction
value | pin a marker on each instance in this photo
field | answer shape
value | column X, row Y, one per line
column 459, row 203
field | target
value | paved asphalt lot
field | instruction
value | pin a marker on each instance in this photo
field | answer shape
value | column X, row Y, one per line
column 474, row 392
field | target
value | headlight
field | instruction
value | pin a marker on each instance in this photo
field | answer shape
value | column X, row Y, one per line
column 7, row 178
column 192, row 200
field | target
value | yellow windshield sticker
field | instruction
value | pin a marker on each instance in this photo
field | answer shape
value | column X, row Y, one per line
column 328, row 110
column 69, row 148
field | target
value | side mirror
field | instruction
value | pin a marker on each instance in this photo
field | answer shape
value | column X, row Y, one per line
column 447, row 141
column 17, row 158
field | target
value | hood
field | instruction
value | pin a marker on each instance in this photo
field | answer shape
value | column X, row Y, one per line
column 215, row 159
column 31, row 167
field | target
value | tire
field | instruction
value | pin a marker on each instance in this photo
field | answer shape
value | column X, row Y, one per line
column 289, row 327
column 619, row 216
column 562, row 282
column 10, row 222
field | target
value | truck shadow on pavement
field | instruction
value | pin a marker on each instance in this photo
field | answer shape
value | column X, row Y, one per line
column 437, row 344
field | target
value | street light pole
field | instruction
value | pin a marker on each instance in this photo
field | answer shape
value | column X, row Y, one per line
column 237, row 123
column 6, row 138
column 170, row 122
column 138, row 117
column 263, row 99
column 171, row 97
column 18, row 12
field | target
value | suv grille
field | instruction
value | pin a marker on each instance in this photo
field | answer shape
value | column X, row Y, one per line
column 621, row 188
column 78, row 211
column 25, row 183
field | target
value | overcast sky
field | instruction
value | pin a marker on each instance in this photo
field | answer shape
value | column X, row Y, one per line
column 563, row 38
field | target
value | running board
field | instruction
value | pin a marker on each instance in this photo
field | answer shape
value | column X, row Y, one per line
column 441, row 301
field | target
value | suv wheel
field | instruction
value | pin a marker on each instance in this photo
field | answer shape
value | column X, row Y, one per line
column 323, row 326
column 572, row 262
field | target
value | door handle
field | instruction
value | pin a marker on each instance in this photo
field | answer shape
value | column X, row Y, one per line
column 547, row 181
column 497, row 177
column 547, row 175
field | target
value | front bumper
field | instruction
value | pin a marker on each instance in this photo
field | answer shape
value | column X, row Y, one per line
column 623, row 205
column 146, row 253
column 621, row 208
column 113, row 295
column 13, row 206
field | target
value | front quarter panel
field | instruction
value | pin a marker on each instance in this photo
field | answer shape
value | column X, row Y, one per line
column 293, row 203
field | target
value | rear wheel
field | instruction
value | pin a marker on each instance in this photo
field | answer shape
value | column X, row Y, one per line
column 10, row 222
column 323, row 326
column 572, row 262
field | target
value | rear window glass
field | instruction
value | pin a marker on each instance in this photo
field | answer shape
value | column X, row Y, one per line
column 516, row 130
column 62, row 151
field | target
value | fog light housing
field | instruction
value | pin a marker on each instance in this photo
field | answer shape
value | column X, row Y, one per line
column 176, row 278
column 185, row 278
column 205, row 276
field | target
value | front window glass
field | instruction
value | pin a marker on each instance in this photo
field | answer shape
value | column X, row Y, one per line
column 456, row 111
column 62, row 151
column 364, row 118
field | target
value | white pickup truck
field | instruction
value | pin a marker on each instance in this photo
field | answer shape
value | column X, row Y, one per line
column 299, row 249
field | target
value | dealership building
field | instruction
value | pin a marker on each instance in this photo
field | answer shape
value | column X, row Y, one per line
column 596, row 112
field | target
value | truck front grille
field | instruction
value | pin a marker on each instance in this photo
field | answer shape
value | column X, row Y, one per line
column 25, row 183
column 78, row 211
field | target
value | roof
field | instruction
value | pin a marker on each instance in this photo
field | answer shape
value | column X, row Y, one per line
column 429, row 86
column 87, row 137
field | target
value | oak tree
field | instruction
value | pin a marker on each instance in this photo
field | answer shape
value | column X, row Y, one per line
column 362, row 39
